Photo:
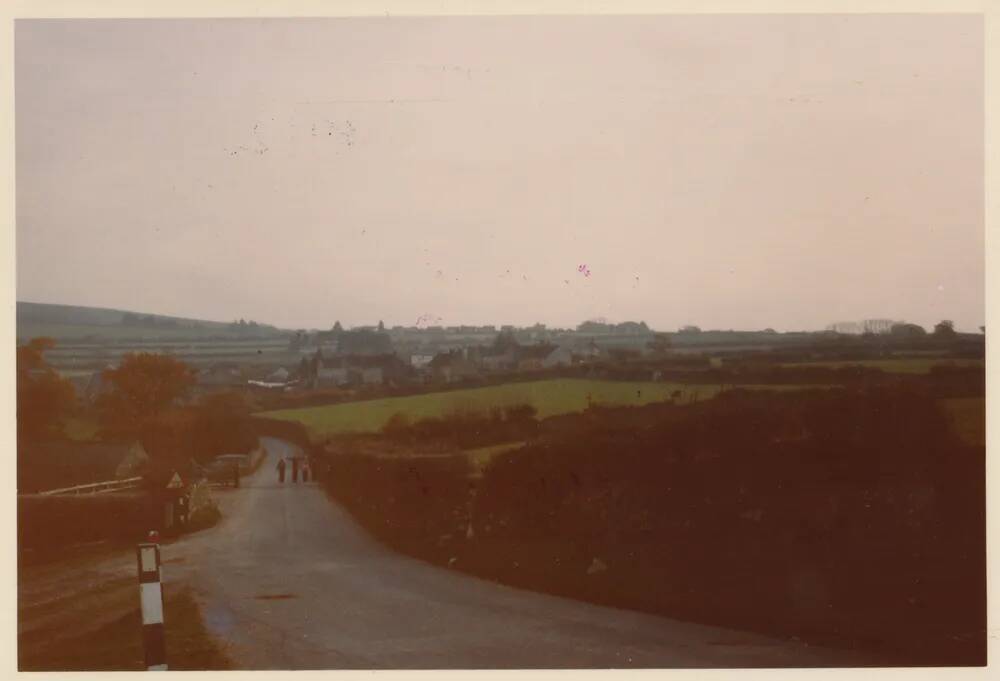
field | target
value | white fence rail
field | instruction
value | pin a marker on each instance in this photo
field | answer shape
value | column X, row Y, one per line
column 96, row 487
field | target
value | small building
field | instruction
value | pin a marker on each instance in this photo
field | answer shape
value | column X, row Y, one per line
column 280, row 375
column 452, row 366
column 559, row 357
column 372, row 375
column 591, row 351
column 532, row 357
column 332, row 376
column 221, row 375
column 92, row 387
column 420, row 360
column 345, row 370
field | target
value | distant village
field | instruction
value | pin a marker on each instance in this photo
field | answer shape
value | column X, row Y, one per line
column 367, row 357
column 377, row 355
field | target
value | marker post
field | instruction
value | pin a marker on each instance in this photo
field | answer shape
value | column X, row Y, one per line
column 151, row 599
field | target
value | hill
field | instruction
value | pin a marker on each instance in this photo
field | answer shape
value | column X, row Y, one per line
column 80, row 323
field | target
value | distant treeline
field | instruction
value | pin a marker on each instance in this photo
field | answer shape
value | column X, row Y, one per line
column 148, row 320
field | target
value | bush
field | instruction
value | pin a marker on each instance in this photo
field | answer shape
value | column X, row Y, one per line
column 397, row 427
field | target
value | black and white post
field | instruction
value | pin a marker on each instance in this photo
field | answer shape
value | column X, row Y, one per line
column 151, row 598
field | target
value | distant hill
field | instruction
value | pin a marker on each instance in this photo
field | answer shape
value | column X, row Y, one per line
column 74, row 322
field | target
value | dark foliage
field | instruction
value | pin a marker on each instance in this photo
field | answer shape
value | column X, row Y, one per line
column 850, row 517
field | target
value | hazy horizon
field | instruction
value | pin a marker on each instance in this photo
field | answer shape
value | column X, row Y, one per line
column 743, row 172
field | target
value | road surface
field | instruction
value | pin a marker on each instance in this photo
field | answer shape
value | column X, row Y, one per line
column 287, row 580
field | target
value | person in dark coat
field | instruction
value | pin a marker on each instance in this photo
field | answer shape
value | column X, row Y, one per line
column 295, row 469
column 281, row 470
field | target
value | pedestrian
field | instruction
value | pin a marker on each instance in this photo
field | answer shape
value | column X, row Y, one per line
column 281, row 470
column 295, row 469
column 305, row 470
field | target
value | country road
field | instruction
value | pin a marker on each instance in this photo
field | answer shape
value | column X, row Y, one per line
column 288, row 581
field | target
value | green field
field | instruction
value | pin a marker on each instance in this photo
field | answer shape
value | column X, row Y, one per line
column 911, row 365
column 551, row 397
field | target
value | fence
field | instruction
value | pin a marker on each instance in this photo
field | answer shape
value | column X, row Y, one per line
column 97, row 487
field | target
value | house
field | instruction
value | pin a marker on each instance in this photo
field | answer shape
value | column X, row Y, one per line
column 91, row 387
column 344, row 370
column 493, row 360
column 420, row 360
column 332, row 376
column 279, row 375
column 452, row 366
column 372, row 375
column 591, row 351
column 532, row 357
column 559, row 357
column 133, row 462
column 221, row 375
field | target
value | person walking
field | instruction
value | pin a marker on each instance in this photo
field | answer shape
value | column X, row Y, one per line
column 281, row 470
column 295, row 469
column 305, row 470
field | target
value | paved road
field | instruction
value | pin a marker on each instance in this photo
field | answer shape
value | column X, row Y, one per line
column 289, row 581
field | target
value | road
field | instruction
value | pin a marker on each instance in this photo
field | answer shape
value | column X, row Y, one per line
column 288, row 581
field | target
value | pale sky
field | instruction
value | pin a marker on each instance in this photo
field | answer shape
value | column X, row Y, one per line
column 726, row 171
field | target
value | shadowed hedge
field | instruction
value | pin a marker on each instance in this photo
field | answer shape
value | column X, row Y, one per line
column 851, row 518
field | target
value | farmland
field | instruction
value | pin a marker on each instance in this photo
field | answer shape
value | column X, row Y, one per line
column 82, row 359
column 549, row 398
column 910, row 365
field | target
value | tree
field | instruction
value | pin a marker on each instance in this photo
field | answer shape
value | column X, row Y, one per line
column 690, row 329
column 907, row 330
column 44, row 398
column 144, row 386
column 337, row 328
column 505, row 341
column 381, row 326
column 593, row 326
column 944, row 328
column 221, row 426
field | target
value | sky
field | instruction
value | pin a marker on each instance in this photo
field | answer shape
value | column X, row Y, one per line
column 733, row 172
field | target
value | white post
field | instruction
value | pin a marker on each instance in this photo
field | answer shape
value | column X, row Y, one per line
column 151, row 599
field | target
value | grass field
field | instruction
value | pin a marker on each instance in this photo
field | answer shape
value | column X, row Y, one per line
column 81, row 429
column 550, row 397
column 910, row 365
column 968, row 414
